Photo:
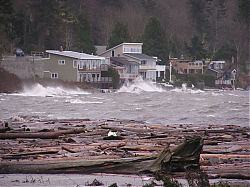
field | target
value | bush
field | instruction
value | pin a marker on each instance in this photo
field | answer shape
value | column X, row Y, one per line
column 115, row 77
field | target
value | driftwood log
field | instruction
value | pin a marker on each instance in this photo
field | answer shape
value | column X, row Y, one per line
column 184, row 156
column 41, row 135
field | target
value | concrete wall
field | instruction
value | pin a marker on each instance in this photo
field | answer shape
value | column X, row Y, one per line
column 24, row 67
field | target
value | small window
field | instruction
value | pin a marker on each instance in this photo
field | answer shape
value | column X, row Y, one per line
column 75, row 63
column 54, row 75
column 113, row 53
column 143, row 62
column 61, row 62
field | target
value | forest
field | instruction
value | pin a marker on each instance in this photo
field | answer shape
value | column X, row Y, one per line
column 197, row 29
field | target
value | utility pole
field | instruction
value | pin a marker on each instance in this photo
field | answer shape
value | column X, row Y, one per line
column 170, row 72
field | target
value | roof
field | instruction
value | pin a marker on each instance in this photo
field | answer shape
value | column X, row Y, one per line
column 121, row 45
column 100, row 49
column 122, row 61
column 73, row 54
column 139, row 56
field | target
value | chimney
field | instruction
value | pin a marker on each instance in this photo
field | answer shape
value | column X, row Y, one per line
column 61, row 49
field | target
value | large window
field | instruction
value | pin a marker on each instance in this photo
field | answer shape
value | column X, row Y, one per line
column 61, row 62
column 132, row 50
column 75, row 63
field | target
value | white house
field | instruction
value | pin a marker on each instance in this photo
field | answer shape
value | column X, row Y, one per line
column 217, row 65
column 160, row 72
column 133, row 53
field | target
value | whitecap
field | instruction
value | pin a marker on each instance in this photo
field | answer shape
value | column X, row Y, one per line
column 42, row 91
column 139, row 85
column 78, row 101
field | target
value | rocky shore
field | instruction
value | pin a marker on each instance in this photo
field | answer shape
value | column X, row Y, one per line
column 225, row 153
column 9, row 82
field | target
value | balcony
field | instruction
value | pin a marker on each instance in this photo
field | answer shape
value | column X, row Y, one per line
column 97, row 80
column 103, row 67
column 128, row 76
column 147, row 67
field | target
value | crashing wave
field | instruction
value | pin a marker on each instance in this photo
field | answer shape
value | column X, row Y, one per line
column 139, row 85
column 42, row 91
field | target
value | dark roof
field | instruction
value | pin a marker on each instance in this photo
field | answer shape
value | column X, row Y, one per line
column 121, row 61
column 140, row 56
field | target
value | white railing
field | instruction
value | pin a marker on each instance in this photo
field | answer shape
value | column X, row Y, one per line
column 145, row 67
column 128, row 76
column 221, row 82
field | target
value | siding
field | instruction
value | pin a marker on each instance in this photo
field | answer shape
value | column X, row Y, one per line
column 65, row 72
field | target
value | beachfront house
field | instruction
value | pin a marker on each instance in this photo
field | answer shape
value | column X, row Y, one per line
column 133, row 53
column 184, row 66
column 160, row 73
column 128, row 70
column 75, row 67
column 217, row 65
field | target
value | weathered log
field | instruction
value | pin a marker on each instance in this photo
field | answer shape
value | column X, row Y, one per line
column 187, row 154
column 4, row 129
column 67, row 149
column 19, row 155
column 42, row 135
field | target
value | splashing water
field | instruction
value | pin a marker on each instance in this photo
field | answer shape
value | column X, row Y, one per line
column 184, row 89
column 139, row 85
column 40, row 90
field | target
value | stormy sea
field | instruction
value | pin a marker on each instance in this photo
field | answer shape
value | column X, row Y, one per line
column 141, row 100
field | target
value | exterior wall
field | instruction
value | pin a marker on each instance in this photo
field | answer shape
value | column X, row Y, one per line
column 24, row 67
column 117, row 52
column 160, row 71
column 187, row 67
column 151, row 75
column 132, row 48
column 125, row 48
column 66, row 72
column 217, row 65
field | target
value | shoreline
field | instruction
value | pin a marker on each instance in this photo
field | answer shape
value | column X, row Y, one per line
column 225, row 153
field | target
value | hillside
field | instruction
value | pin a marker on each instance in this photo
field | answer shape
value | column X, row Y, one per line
column 221, row 27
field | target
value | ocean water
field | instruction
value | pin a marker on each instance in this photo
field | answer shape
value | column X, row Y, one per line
column 141, row 100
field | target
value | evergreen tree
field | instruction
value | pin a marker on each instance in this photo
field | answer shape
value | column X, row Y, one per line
column 84, row 41
column 6, row 12
column 154, row 40
column 119, row 35
column 244, row 11
column 196, row 49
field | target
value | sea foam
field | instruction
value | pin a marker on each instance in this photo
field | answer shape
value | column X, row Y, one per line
column 42, row 91
column 139, row 85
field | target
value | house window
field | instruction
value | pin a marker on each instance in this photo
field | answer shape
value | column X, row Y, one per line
column 75, row 62
column 113, row 53
column 61, row 62
column 143, row 62
column 54, row 75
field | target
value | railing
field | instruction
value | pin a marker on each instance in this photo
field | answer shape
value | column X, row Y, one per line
column 100, row 68
column 128, row 76
column 99, row 80
column 223, row 82
column 39, row 54
column 145, row 67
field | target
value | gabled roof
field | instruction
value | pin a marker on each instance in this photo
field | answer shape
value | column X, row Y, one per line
column 121, row 45
column 100, row 49
column 73, row 54
column 139, row 56
column 122, row 61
